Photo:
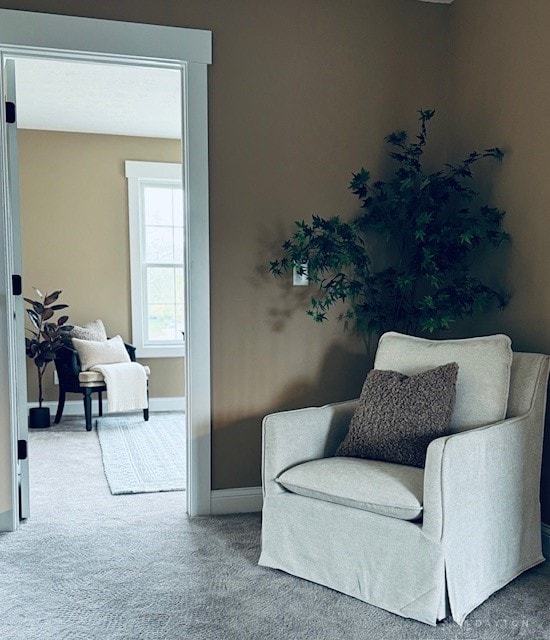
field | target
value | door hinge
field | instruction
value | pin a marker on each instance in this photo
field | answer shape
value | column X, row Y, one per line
column 22, row 450
column 10, row 112
column 16, row 285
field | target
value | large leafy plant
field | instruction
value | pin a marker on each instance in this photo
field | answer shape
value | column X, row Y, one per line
column 46, row 334
column 431, row 227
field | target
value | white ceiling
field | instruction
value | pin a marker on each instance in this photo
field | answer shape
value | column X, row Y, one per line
column 98, row 98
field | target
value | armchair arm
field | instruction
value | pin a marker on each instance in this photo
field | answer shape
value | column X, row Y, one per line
column 67, row 361
column 483, row 476
column 481, row 503
column 491, row 472
column 131, row 351
column 292, row 437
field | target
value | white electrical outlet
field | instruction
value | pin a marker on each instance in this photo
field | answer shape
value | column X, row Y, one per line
column 55, row 377
column 300, row 279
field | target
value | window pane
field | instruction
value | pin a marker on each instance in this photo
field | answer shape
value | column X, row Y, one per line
column 158, row 266
column 161, row 322
column 159, row 244
column 157, row 205
column 178, row 244
column 180, row 321
column 180, row 286
column 161, row 285
column 177, row 195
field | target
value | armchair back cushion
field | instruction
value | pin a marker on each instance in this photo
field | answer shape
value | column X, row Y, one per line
column 92, row 352
column 484, row 366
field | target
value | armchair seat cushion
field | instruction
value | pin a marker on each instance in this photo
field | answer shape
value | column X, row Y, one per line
column 89, row 378
column 385, row 488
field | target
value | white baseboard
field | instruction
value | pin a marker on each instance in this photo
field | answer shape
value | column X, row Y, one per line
column 242, row 500
column 6, row 521
column 76, row 407
column 546, row 540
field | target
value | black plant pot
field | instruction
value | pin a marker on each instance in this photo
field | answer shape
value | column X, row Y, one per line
column 39, row 417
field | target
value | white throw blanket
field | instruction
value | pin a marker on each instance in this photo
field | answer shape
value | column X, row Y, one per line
column 126, row 384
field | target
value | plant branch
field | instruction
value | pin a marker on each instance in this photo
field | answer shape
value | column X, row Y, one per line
column 434, row 228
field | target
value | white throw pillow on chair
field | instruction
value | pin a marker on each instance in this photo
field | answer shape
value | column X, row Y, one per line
column 94, row 330
column 92, row 352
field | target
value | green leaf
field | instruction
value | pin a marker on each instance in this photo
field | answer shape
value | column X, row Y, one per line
column 404, row 262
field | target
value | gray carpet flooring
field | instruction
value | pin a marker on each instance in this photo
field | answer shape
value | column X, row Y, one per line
column 89, row 565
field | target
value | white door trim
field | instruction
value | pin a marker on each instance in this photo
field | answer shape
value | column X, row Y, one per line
column 9, row 409
column 56, row 36
column 69, row 35
column 18, row 410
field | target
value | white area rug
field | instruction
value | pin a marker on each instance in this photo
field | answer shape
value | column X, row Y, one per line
column 143, row 457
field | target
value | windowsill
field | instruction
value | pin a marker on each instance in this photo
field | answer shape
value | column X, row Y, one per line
column 160, row 352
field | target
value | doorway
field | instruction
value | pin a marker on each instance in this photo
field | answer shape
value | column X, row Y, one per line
column 132, row 45
column 78, row 125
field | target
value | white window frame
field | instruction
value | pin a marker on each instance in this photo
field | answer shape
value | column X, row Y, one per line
column 138, row 173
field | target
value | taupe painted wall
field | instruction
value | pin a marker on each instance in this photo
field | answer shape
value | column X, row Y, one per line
column 74, row 218
column 500, row 95
column 301, row 93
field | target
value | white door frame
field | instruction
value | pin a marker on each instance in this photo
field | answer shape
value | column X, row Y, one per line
column 53, row 36
column 18, row 400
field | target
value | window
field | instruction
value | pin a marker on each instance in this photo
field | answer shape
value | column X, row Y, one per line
column 156, row 216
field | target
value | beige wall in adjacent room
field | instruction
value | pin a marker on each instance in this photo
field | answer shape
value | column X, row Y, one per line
column 301, row 93
column 500, row 95
column 74, row 217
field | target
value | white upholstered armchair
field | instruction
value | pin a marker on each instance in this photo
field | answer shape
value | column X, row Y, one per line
column 422, row 543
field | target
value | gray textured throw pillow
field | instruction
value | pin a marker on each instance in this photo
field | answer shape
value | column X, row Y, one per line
column 398, row 416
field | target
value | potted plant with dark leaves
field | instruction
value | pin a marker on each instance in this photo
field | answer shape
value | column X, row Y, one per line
column 46, row 336
column 428, row 228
